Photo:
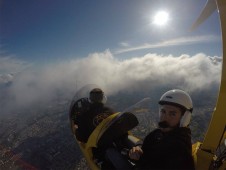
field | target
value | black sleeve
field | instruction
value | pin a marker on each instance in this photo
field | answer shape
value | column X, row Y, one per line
column 79, row 107
column 79, row 116
column 166, row 153
column 178, row 154
column 179, row 158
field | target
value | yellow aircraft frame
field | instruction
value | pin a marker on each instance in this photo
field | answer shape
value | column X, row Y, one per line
column 86, row 148
column 95, row 136
column 205, row 153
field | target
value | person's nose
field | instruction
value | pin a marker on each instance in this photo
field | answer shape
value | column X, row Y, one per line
column 164, row 117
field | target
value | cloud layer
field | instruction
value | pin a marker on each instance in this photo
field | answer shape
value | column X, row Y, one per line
column 150, row 71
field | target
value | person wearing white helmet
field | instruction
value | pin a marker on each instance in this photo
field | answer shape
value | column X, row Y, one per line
column 169, row 146
column 179, row 99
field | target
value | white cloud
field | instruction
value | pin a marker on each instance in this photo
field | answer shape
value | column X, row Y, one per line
column 173, row 42
column 5, row 78
column 150, row 71
column 124, row 44
column 11, row 64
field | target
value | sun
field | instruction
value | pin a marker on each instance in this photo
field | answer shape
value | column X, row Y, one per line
column 161, row 18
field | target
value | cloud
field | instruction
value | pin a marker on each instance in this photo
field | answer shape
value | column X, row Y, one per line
column 173, row 42
column 150, row 71
column 124, row 44
column 6, row 78
column 11, row 64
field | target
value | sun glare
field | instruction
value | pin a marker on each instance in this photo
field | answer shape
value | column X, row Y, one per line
column 161, row 18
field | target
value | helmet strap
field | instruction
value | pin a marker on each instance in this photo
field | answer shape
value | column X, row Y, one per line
column 185, row 120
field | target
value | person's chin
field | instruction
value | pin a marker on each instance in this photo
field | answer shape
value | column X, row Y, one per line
column 166, row 129
column 163, row 124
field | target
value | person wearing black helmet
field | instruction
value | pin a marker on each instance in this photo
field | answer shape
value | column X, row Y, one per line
column 94, row 112
column 169, row 146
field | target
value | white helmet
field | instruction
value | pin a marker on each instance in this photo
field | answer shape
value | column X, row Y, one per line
column 180, row 99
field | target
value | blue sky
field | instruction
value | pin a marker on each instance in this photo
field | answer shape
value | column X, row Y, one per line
column 54, row 30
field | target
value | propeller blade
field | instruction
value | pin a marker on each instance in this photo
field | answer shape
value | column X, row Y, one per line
column 209, row 8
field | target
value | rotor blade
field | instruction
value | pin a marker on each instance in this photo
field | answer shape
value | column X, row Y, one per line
column 209, row 8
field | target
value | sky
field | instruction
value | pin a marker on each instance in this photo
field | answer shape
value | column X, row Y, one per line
column 45, row 31
column 51, row 44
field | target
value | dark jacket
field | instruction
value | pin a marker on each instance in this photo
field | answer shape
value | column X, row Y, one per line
column 89, row 119
column 170, row 150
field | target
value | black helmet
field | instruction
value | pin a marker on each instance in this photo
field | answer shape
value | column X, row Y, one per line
column 97, row 96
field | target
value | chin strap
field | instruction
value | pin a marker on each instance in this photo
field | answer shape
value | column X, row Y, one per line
column 185, row 120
